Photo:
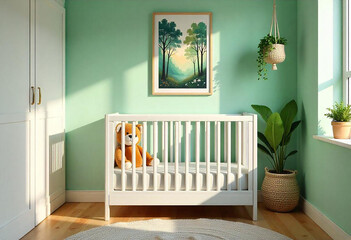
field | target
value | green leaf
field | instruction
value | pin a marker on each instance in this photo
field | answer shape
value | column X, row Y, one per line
column 288, row 114
column 264, row 111
column 294, row 125
column 340, row 112
column 274, row 130
column 263, row 138
column 290, row 154
column 264, row 149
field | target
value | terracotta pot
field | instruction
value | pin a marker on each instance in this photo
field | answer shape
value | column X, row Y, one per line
column 276, row 55
column 341, row 130
column 280, row 191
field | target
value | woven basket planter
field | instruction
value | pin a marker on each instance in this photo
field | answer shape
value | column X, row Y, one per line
column 280, row 191
column 276, row 55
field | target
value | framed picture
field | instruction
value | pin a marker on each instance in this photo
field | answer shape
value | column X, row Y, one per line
column 181, row 62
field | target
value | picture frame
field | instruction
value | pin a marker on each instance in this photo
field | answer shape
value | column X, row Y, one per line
column 182, row 53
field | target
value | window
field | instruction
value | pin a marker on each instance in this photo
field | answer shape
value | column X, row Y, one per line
column 347, row 52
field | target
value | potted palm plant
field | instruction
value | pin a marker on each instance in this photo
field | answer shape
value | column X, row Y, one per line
column 341, row 116
column 280, row 189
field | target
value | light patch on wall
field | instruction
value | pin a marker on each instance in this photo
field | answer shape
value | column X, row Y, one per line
column 133, row 86
column 325, row 64
column 325, row 99
column 92, row 103
column 56, row 151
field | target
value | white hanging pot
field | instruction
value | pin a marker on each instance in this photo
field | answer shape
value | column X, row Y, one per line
column 275, row 55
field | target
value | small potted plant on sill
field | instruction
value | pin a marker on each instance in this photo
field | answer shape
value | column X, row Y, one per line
column 279, row 188
column 270, row 50
column 341, row 116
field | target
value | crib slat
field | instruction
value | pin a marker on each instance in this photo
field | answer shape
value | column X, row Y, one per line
column 228, row 154
column 171, row 145
column 133, row 158
column 180, row 141
column 208, row 156
column 215, row 140
column 254, row 160
column 144, row 154
column 225, row 136
column 176, row 155
column 197, row 156
column 163, row 140
column 250, row 139
column 239, row 139
column 155, row 138
column 187, row 155
column 245, row 157
column 165, row 155
column 123, row 180
column 218, row 153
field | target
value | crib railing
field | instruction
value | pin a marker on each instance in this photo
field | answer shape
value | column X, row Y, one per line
column 171, row 143
column 201, row 140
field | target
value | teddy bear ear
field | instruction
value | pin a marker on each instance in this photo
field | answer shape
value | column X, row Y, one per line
column 118, row 127
column 140, row 127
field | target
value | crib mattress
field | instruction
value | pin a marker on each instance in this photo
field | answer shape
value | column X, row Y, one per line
column 181, row 177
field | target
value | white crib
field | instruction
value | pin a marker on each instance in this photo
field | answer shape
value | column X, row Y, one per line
column 204, row 160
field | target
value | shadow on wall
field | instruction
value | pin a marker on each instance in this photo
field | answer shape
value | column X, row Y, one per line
column 302, row 142
column 86, row 143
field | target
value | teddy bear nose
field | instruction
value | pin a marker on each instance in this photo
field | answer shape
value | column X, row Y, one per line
column 131, row 136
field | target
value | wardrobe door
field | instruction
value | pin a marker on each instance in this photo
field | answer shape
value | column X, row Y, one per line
column 50, row 79
column 16, row 121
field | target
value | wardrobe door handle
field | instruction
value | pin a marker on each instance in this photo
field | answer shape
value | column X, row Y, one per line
column 39, row 95
column 33, row 96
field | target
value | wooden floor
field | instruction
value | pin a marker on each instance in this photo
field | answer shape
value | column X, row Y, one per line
column 72, row 218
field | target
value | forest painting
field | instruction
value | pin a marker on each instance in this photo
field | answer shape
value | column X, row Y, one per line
column 181, row 53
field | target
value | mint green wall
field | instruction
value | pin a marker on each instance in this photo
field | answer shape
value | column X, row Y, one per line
column 109, row 70
column 324, row 169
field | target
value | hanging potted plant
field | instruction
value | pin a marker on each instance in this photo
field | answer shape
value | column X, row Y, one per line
column 341, row 116
column 279, row 188
column 271, row 49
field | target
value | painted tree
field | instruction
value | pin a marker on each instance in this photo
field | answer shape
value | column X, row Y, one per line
column 190, row 54
column 171, row 50
column 197, row 40
column 191, row 40
column 201, row 35
column 168, row 34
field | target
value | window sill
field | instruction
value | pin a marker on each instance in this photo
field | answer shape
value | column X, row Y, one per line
column 346, row 143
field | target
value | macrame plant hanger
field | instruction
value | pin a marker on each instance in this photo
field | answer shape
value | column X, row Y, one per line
column 275, row 23
column 277, row 53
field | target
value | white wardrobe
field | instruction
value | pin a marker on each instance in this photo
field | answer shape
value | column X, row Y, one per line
column 32, row 107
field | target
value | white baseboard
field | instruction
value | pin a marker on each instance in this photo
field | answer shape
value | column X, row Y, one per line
column 85, row 196
column 324, row 222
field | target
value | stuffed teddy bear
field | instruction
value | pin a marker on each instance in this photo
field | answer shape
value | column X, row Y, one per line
column 128, row 147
